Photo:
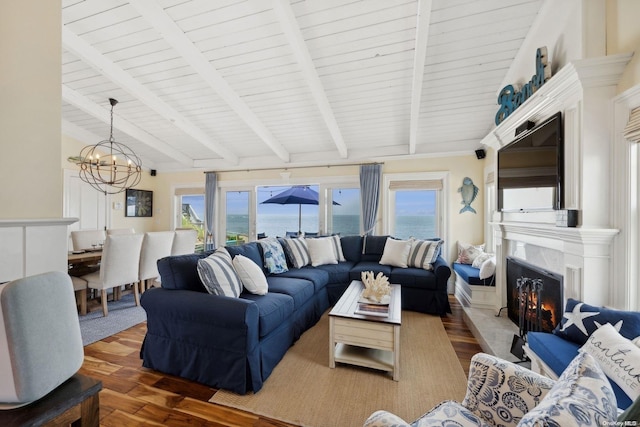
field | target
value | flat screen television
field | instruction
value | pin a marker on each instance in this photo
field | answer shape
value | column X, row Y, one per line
column 531, row 169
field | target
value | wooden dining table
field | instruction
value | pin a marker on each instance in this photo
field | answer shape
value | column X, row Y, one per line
column 81, row 257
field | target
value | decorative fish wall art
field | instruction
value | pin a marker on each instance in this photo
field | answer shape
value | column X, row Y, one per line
column 469, row 192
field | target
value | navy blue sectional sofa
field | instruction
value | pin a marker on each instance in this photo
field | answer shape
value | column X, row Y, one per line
column 234, row 343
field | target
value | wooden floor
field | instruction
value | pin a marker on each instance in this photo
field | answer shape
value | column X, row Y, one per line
column 136, row 396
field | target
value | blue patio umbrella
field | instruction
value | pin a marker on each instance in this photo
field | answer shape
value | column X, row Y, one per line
column 297, row 195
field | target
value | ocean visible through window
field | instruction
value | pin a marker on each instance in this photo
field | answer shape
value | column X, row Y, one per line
column 415, row 214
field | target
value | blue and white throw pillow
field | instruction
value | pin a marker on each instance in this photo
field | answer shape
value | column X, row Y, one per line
column 618, row 357
column 218, row 276
column 424, row 253
column 579, row 320
column 274, row 259
column 297, row 251
column 581, row 397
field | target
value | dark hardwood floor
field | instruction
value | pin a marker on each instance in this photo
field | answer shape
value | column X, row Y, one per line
column 136, row 396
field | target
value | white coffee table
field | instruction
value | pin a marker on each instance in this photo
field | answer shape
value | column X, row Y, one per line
column 369, row 341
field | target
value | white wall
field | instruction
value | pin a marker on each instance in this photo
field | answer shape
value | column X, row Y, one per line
column 31, row 105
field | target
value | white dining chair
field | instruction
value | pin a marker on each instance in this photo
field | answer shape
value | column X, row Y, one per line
column 86, row 239
column 184, row 242
column 111, row 231
column 155, row 245
column 119, row 266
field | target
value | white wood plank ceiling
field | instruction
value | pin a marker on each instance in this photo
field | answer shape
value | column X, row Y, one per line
column 243, row 84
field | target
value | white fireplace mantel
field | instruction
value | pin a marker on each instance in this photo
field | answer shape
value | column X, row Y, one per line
column 558, row 238
column 33, row 246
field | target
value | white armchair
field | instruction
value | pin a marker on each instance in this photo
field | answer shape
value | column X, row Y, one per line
column 501, row 393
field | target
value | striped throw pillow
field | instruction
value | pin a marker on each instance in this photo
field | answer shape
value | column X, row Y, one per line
column 423, row 253
column 337, row 247
column 297, row 251
column 218, row 276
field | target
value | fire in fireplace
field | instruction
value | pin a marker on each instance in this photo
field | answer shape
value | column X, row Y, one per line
column 534, row 296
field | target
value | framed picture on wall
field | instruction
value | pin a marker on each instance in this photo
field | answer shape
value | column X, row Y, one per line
column 139, row 203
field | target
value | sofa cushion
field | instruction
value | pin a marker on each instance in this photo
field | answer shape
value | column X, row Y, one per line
column 373, row 247
column 579, row 320
column 273, row 310
column 413, row 278
column 299, row 289
column 317, row 276
column 376, row 267
column 218, row 275
column 251, row 250
column 181, row 272
column 581, row 396
column 338, row 273
column 352, row 247
column 557, row 353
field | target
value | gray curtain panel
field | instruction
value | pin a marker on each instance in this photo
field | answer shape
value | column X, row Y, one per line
column 209, row 208
column 369, row 195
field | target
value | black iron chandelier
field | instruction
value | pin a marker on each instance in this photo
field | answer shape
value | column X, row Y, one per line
column 109, row 166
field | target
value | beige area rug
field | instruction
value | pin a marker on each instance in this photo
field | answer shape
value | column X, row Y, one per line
column 303, row 390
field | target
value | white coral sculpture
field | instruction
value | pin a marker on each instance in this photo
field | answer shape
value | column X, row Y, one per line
column 375, row 288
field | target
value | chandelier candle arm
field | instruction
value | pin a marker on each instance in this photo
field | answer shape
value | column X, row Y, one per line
column 109, row 177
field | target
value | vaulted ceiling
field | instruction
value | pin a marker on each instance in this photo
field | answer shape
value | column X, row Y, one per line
column 243, row 84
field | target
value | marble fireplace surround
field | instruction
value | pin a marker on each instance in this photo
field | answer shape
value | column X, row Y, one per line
column 581, row 255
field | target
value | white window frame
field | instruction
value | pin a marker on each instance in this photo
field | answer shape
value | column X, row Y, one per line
column 442, row 199
column 326, row 195
column 176, row 206
column 222, row 209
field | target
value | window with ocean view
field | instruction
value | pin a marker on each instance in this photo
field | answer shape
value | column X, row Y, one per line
column 237, row 219
column 416, row 205
column 345, row 212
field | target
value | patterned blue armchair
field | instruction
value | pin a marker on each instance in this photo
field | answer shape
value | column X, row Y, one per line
column 501, row 393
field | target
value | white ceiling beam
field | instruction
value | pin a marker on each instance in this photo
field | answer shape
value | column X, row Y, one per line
column 420, row 56
column 292, row 31
column 82, row 135
column 163, row 23
column 110, row 70
column 103, row 114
